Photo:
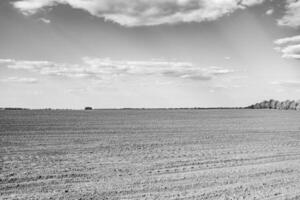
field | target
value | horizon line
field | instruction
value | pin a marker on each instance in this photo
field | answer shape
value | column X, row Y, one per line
column 124, row 108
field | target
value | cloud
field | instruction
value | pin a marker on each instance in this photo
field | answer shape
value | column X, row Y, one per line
column 289, row 47
column 292, row 51
column 46, row 21
column 292, row 14
column 5, row 61
column 184, row 70
column 288, row 40
column 270, row 12
column 98, row 68
column 144, row 12
column 77, row 90
column 287, row 83
column 20, row 80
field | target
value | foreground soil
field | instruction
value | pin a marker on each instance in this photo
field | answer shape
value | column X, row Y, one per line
column 150, row 154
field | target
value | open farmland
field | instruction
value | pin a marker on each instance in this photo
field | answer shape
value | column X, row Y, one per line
column 150, row 154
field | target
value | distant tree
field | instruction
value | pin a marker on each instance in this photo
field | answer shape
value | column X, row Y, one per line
column 283, row 105
column 88, row 108
column 274, row 104
column 292, row 105
column 298, row 105
column 265, row 104
column 256, row 106
column 277, row 105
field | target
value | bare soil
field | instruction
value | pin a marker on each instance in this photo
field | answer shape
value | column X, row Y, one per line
column 150, row 154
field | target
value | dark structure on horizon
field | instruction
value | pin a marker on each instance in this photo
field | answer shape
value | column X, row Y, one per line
column 274, row 104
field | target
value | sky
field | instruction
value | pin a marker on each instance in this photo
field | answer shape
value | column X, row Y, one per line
column 148, row 53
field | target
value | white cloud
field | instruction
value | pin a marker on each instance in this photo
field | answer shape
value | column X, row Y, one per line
column 77, row 90
column 270, row 12
column 5, row 61
column 287, row 83
column 292, row 14
column 288, row 40
column 145, row 12
column 29, row 7
column 225, row 87
column 97, row 68
column 46, row 21
column 20, row 80
column 289, row 47
column 292, row 51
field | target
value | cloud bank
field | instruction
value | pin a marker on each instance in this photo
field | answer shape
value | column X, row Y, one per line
column 98, row 68
column 289, row 47
column 144, row 12
column 156, row 12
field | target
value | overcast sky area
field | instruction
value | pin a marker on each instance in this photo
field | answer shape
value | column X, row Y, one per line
column 148, row 53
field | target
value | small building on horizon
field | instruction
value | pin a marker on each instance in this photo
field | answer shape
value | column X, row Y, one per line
column 88, row 108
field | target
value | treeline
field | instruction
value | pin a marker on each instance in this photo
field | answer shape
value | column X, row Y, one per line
column 274, row 104
column 11, row 108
